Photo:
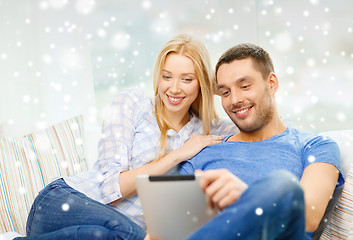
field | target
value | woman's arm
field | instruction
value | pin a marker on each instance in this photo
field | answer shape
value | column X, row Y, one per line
column 191, row 147
column 118, row 139
column 115, row 145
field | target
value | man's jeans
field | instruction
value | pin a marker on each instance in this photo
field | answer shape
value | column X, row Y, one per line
column 272, row 208
column 60, row 212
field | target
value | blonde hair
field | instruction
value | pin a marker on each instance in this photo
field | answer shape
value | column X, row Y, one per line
column 203, row 106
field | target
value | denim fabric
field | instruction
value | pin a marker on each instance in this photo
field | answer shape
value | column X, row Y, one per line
column 60, row 212
column 271, row 208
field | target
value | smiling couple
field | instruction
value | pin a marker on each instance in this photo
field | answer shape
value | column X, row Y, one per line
column 253, row 162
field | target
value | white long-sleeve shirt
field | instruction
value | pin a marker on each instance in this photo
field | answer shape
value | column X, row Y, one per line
column 130, row 139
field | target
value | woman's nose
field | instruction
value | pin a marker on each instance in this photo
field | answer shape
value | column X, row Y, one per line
column 175, row 87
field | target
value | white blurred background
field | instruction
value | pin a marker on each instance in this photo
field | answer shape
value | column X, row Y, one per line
column 61, row 58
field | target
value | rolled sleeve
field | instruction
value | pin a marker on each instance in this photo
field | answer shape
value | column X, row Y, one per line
column 326, row 150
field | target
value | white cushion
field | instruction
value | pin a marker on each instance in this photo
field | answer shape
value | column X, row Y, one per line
column 30, row 162
column 9, row 236
column 340, row 221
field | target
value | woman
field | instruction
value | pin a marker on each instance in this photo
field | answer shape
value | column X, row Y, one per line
column 139, row 136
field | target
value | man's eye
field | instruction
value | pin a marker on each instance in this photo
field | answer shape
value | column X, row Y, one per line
column 225, row 93
column 245, row 86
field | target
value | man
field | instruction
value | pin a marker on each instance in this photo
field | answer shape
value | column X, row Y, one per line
column 251, row 175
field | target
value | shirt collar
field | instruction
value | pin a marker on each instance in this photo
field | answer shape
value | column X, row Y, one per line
column 187, row 129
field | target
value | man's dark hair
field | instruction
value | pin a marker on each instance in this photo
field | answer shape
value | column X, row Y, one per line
column 261, row 59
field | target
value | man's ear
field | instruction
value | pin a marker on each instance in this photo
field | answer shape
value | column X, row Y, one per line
column 273, row 83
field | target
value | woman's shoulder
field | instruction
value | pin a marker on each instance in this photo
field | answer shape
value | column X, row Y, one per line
column 130, row 102
column 136, row 95
column 221, row 121
column 223, row 126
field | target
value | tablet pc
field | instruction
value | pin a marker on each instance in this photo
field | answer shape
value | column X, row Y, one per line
column 173, row 206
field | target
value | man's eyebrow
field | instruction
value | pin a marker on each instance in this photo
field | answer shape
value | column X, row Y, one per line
column 237, row 81
column 242, row 79
column 219, row 86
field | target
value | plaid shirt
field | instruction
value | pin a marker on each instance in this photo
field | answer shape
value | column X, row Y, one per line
column 130, row 139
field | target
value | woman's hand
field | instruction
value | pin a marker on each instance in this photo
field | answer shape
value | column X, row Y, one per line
column 222, row 188
column 195, row 144
column 190, row 148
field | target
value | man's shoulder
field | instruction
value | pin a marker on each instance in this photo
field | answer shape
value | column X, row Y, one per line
column 204, row 157
column 310, row 135
column 310, row 141
column 297, row 132
column 301, row 135
column 210, row 152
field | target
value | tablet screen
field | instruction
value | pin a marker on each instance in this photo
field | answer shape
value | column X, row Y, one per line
column 174, row 206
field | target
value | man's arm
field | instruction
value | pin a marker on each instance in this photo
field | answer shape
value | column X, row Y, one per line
column 318, row 182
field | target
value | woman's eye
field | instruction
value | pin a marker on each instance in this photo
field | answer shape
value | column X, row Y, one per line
column 188, row 79
column 166, row 77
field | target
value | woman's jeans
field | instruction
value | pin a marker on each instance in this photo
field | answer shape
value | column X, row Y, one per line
column 60, row 212
column 272, row 208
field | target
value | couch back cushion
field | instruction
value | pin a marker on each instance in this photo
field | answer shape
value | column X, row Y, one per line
column 28, row 163
column 337, row 221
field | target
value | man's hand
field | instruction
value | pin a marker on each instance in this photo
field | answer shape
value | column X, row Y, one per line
column 148, row 237
column 221, row 187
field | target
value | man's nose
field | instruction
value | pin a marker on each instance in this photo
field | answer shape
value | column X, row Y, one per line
column 236, row 97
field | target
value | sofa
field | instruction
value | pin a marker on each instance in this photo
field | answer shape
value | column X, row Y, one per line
column 31, row 157
column 30, row 161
